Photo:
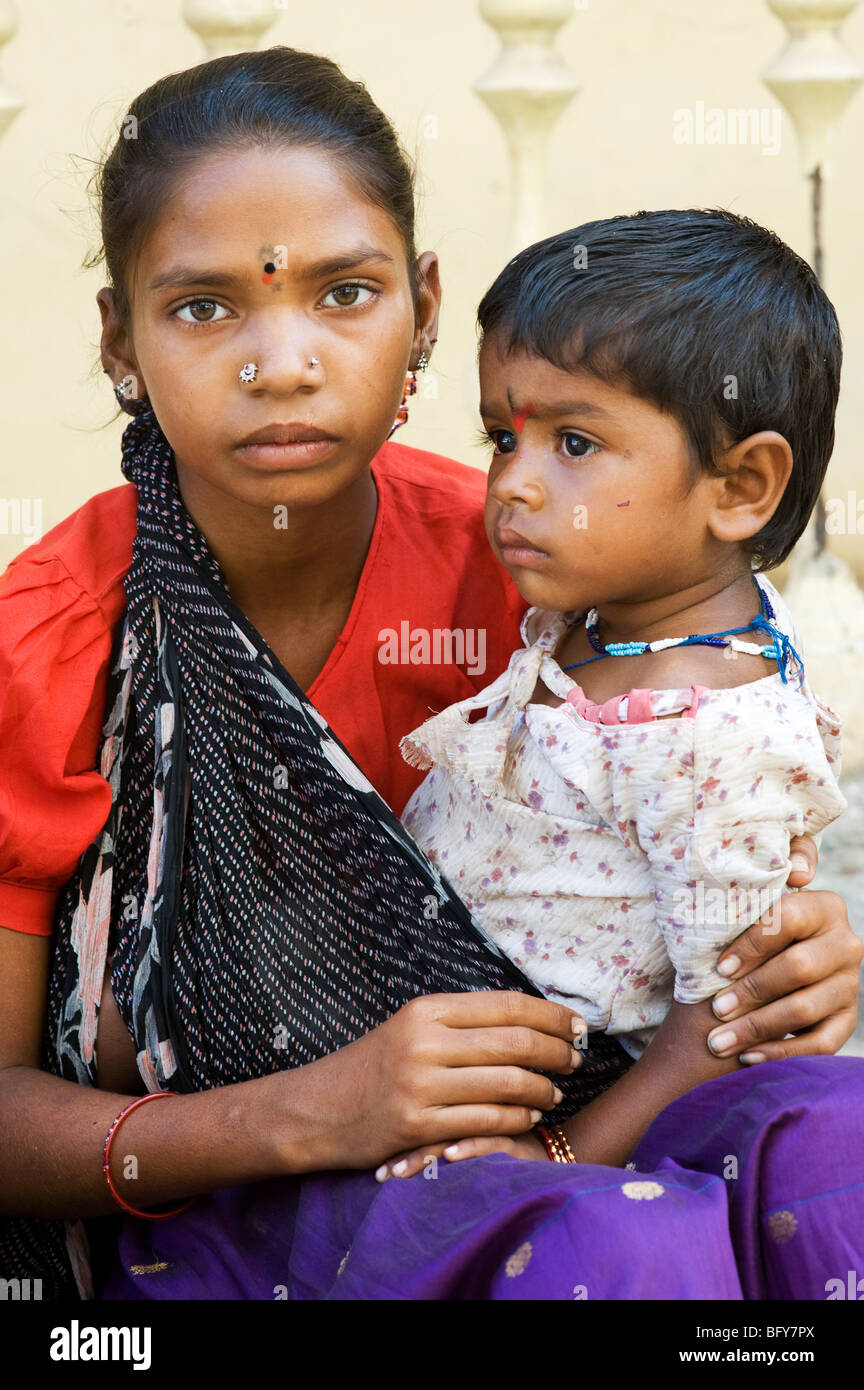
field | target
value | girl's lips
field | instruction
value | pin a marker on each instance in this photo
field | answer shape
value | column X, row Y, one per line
column 302, row 453
column 526, row 557
column 516, row 550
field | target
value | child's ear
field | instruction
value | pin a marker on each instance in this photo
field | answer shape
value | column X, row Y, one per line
column 116, row 351
column 755, row 474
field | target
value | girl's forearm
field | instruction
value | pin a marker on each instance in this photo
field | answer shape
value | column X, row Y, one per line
column 676, row 1060
column 52, row 1137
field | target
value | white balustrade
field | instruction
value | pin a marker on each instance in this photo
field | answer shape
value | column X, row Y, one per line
column 10, row 102
column 815, row 77
column 526, row 89
column 230, row 26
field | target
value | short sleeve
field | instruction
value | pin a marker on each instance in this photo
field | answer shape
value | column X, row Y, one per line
column 55, row 647
column 754, row 768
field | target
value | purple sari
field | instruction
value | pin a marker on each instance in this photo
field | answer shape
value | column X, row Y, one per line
column 749, row 1187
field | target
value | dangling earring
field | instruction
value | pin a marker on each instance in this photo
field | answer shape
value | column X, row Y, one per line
column 422, row 361
column 402, row 412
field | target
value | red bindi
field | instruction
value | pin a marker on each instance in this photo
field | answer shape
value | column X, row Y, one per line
column 520, row 416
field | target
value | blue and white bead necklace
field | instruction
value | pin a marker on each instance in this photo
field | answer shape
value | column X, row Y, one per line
column 780, row 650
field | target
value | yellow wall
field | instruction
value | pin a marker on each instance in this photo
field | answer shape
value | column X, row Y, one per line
column 78, row 64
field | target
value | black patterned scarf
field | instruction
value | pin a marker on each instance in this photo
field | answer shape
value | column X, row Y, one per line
column 262, row 904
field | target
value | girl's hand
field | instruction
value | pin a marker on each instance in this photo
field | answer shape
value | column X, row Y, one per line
column 802, row 978
column 444, row 1066
column 527, row 1145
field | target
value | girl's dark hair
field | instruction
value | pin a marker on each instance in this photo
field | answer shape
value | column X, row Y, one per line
column 706, row 314
column 276, row 97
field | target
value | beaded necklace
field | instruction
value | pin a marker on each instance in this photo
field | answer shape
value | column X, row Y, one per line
column 780, row 650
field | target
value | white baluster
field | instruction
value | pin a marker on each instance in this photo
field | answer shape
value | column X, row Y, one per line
column 526, row 89
column 10, row 102
column 230, row 26
column 815, row 77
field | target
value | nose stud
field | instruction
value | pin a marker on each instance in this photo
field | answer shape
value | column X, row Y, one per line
column 249, row 371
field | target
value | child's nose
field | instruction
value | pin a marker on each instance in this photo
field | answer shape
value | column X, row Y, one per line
column 517, row 481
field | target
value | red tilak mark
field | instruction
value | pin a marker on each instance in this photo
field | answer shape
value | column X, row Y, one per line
column 623, row 504
column 520, row 416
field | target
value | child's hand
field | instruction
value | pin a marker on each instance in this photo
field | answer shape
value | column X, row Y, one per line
column 527, row 1145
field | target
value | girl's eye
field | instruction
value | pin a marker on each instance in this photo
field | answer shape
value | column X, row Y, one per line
column 505, row 441
column 195, row 304
column 572, row 442
column 347, row 296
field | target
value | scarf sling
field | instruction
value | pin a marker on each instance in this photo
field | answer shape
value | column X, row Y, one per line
column 260, row 903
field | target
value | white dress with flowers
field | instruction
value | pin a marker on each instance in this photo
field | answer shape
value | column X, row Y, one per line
column 612, row 853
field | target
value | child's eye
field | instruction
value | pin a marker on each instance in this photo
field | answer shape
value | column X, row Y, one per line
column 194, row 304
column 347, row 296
column 571, row 441
column 505, row 441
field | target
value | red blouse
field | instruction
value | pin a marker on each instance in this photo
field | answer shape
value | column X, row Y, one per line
column 435, row 618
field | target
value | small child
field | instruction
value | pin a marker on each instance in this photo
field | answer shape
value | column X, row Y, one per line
column 660, row 392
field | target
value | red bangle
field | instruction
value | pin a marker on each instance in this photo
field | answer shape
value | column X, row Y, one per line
column 555, row 1143
column 106, row 1162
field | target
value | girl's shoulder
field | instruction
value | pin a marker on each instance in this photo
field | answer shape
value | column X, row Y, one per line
column 60, row 601
column 89, row 551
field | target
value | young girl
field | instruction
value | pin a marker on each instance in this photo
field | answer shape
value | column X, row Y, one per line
column 201, row 895
column 619, row 804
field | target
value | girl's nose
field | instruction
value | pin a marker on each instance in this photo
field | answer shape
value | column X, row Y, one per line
column 288, row 359
column 516, row 482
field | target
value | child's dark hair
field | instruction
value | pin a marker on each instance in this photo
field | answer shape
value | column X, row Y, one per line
column 276, row 97
column 709, row 316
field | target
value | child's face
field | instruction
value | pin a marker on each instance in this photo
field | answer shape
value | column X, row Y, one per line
column 343, row 297
column 590, row 496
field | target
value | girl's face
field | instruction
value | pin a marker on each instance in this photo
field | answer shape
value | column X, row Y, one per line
column 589, row 497
column 203, row 306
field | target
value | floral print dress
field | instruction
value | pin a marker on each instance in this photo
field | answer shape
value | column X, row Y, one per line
column 613, row 853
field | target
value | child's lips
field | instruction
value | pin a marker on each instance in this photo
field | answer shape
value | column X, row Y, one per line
column 516, row 549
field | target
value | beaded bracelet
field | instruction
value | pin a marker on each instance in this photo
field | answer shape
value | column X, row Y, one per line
column 106, row 1162
column 555, row 1141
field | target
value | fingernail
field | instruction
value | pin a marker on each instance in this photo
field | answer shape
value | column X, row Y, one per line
column 381, row 1173
column 577, row 1056
column 400, row 1167
column 578, row 1025
column 729, row 966
column 452, row 1151
column 536, row 1116
column 799, row 861
column 725, row 1003
column 557, row 1096
column 719, row 1042
column 751, row 1058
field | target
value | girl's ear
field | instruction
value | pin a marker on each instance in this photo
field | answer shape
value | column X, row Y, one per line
column 429, row 297
column 755, row 474
column 116, row 351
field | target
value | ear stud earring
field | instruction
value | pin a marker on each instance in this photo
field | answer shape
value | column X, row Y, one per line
column 125, row 389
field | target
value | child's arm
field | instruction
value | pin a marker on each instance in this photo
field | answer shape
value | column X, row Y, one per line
column 677, row 1059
